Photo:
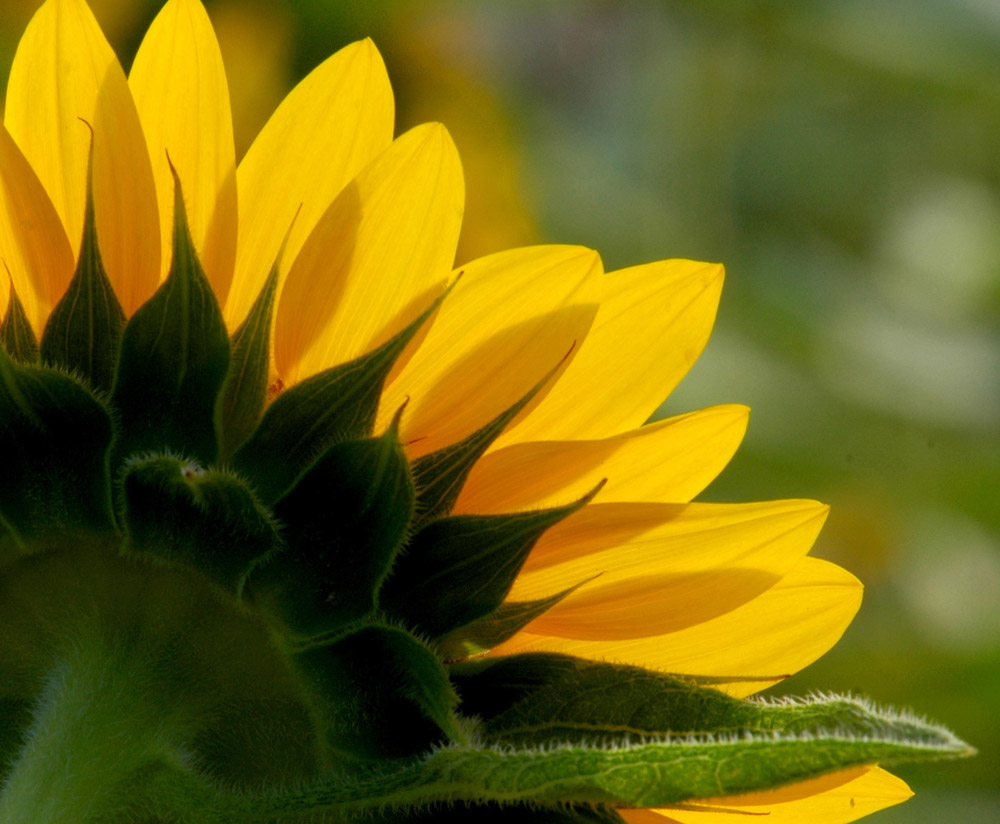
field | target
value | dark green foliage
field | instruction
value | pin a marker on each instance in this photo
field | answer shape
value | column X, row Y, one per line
column 54, row 439
column 336, row 405
column 16, row 334
column 381, row 693
column 209, row 521
column 84, row 329
column 173, row 361
column 344, row 521
column 461, row 568
column 15, row 716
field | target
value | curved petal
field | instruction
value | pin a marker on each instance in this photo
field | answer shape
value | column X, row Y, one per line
column 653, row 323
column 669, row 461
column 656, row 568
column 180, row 90
column 33, row 244
column 377, row 257
column 328, row 128
column 64, row 71
column 776, row 634
column 837, row 798
column 509, row 321
column 4, row 297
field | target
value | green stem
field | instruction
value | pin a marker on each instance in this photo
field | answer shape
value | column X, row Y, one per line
column 101, row 719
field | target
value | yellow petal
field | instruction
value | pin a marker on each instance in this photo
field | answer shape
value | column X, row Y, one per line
column 376, row 259
column 776, row 634
column 180, row 90
column 64, row 70
column 4, row 297
column 510, row 320
column 659, row 567
column 668, row 461
column 653, row 323
column 329, row 127
column 33, row 244
column 836, row 798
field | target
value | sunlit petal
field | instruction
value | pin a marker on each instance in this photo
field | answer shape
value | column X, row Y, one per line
column 325, row 132
column 549, row 296
column 668, row 461
column 653, row 323
column 776, row 634
column 656, row 568
column 64, row 71
column 377, row 257
column 837, row 798
column 180, row 90
column 33, row 244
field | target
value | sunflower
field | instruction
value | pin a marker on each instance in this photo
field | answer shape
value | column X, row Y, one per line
column 298, row 521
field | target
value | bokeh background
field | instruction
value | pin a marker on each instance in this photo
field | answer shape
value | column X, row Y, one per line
column 842, row 157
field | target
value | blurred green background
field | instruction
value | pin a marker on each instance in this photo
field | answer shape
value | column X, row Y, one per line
column 843, row 160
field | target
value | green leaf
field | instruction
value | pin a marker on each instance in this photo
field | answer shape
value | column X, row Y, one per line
column 332, row 406
column 381, row 692
column 344, row 521
column 16, row 334
column 636, row 773
column 54, row 439
column 460, row 568
column 249, row 370
column 209, row 521
column 491, row 630
column 464, row 813
column 84, row 329
column 174, row 359
column 440, row 476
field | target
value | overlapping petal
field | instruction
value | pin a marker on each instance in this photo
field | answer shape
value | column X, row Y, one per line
column 654, row 321
column 64, row 71
column 180, row 91
column 517, row 314
column 657, row 568
column 668, row 461
column 836, row 798
column 33, row 244
column 772, row 636
column 328, row 128
column 377, row 258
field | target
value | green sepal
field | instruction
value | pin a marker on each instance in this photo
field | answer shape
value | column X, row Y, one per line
column 16, row 334
column 174, row 359
column 210, row 521
column 336, row 405
column 245, row 392
column 85, row 327
column 440, row 476
column 381, row 693
column 539, row 697
column 535, row 699
column 343, row 523
column 493, row 629
column 54, row 439
column 458, row 569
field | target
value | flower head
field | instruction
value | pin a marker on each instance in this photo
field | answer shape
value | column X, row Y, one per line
column 347, row 517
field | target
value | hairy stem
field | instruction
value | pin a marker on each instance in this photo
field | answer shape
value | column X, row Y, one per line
column 102, row 718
